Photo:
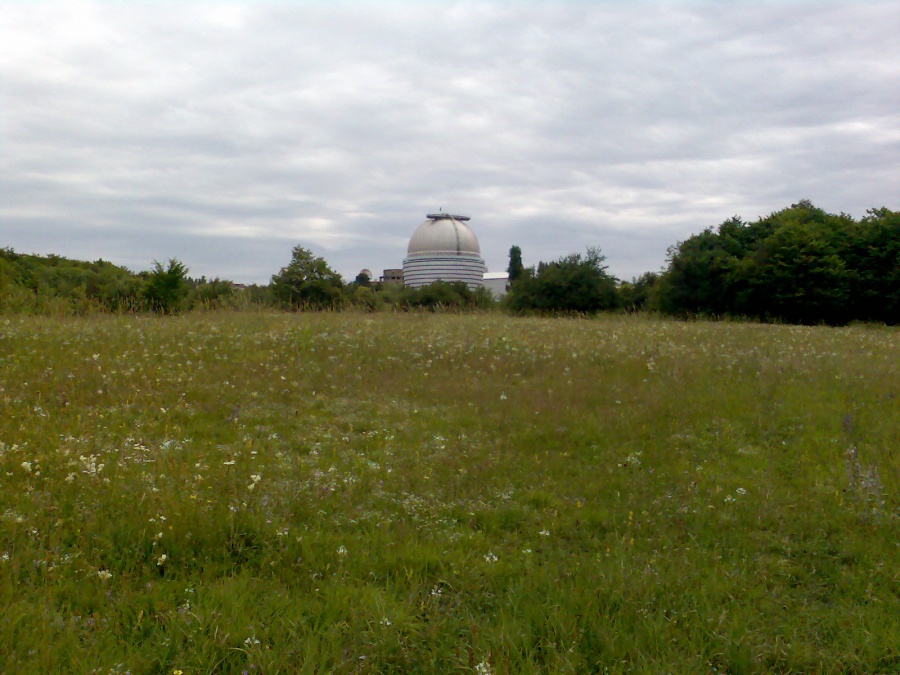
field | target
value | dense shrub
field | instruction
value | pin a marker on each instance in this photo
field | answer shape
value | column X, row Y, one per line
column 574, row 283
column 799, row 265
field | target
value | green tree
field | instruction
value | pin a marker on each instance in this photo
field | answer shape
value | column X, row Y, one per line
column 211, row 293
column 574, row 283
column 166, row 287
column 800, row 265
column 873, row 261
column 635, row 295
column 364, row 297
column 516, row 269
column 796, row 275
column 307, row 282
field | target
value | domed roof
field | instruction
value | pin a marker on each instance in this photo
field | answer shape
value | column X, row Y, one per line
column 446, row 234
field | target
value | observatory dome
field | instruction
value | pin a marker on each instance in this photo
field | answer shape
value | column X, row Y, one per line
column 443, row 248
column 443, row 234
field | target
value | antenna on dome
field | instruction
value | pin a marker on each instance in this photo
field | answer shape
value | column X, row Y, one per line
column 440, row 215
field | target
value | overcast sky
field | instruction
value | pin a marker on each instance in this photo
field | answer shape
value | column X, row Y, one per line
column 224, row 134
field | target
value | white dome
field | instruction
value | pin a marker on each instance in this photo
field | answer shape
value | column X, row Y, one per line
column 443, row 233
column 443, row 248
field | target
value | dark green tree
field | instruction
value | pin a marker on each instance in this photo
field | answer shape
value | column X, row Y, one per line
column 873, row 261
column 166, row 287
column 574, row 283
column 442, row 295
column 211, row 293
column 636, row 294
column 307, row 282
column 800, row 265
column 516, row 269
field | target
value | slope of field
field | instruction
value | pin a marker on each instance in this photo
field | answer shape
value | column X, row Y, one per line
column 229, row 493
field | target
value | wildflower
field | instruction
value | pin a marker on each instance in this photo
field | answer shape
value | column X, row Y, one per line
column 483, row 668
column 161, row 560
column 385, row 621
column 503, row 397
column 104, row 575
column 230, row 462
column 26, row 466
column 342, row 550
column 741, row 491
column 250, row 641
column 544, row 533
column 490, row 557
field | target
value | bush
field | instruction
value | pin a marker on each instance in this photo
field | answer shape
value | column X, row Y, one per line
column 574, row 283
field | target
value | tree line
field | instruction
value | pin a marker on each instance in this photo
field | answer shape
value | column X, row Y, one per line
column 797, row 265
column 33, row 284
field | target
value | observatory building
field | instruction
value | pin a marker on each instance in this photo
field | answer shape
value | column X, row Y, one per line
column 443, row 248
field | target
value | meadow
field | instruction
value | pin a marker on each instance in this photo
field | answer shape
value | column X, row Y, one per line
column 434, row 493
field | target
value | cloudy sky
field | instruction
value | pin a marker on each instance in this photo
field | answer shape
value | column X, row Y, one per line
column 225, row 133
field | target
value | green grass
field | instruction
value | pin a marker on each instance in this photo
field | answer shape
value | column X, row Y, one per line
column 227, row 492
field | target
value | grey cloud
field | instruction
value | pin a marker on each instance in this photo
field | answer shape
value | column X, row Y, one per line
column 227, row 133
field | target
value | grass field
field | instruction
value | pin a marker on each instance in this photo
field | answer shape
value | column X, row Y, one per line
column 233, row 492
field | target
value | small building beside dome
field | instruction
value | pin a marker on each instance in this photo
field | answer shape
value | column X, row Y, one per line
column 392, row 276
column 497, row 283
column 443, row 248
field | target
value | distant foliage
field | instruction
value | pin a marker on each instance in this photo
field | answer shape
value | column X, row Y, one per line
column 635, row 295
column 167, row 287
column 445, row 295
column 56, row 285
column 574, row 283
column 516, row 269
column 31, row 284
column 798, row 265
column 308, row 283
